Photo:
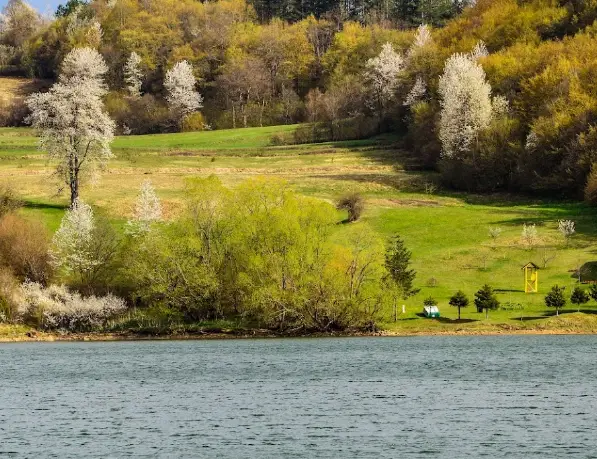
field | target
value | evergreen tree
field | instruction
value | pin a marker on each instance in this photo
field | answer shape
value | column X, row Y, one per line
column 459, row 300
column 485, row 299
column 397, row 260
column 579, row 296
column 555, row 298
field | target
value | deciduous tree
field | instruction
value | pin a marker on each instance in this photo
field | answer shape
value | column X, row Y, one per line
column 182, row 96
column 465, row 105
column 70, row 118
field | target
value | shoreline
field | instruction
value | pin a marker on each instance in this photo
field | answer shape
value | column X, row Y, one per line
column 40, row 337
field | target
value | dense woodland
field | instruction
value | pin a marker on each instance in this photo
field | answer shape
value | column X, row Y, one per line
column 285, row 62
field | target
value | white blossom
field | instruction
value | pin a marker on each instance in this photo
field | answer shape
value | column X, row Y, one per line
column 148, row 210
column 466, row 104
column 499, row 106
column 422, row 38
column 529, row 236
column 479, row 51
column 566, row 228
column 382, row 74
column 180, row 85
column 133, row 75
column 74, row 128
column 495, row 232
column 416, row 93
column 71, row 245
column 531, row 141
column 58, row 308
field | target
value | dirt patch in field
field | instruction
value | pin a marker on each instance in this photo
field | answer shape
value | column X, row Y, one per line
column 407, row 203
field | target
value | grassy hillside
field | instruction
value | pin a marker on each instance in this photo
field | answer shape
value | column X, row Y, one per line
column 446, row 232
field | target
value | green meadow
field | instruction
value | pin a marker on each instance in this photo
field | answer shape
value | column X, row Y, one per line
column 447, row 232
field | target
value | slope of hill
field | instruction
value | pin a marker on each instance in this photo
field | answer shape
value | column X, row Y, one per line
column 446, row 232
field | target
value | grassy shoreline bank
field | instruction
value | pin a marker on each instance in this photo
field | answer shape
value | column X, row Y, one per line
column 565, row 324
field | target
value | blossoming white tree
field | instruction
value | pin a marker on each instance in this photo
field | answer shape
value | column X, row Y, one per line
column 70, row 118
column 133, row 75
column 148, row 210
column 180, row 86
column 567, row 229
column 466, row 104
column 72, row 243
column 382, row 75
column 416, row 93
column 422, row 38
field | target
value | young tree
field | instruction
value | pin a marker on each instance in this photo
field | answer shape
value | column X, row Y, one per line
column 72, row 242
column 459, row 300
column 416, row 93
column 382, row 75
column 556, row 299
column 148, row 210
column 180, row 86
column 566, row 228
column 529, row 236
column 133, row 75
column 465, row 105
column 74, row 128
column 430, row 301
column 397, row 260
column 485, row 299
column 494, row 234
column 579, row 297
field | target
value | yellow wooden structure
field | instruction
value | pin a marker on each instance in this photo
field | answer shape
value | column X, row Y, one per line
column 531, row 278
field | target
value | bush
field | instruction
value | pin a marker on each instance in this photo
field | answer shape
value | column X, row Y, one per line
column 8, row 296
column 55, row 307
column 194, row 122
column 354, row 204
column 24, row 248
column 8, row 200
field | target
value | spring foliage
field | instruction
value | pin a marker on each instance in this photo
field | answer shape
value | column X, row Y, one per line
column 180, row 85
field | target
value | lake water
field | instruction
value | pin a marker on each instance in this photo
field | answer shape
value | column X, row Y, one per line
column 452, row 397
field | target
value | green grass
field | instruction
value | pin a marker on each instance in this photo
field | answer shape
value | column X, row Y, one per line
column 447, row 232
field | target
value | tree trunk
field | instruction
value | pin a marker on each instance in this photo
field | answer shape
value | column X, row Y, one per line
column 458, row 312
column 74, row 183
column 486, row 313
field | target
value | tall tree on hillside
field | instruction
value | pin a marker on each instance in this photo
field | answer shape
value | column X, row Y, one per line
column 182, row 96
column 18, row 22
column 74, row 128
column 133, row 75
column 382, row 75
column 466, row 105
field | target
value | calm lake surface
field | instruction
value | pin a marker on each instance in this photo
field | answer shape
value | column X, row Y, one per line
column 452, row 397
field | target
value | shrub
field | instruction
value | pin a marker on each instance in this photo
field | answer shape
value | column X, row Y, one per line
column 8, row 200
column 8, row 296
column 55, row 307
column 354, row 204
column 194, row 122
column 24, row 248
